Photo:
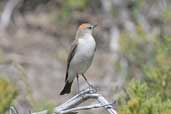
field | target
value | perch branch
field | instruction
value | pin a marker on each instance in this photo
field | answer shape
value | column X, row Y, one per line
column 85, row 107
column 71, row 106
column 8, row 13
column 13, row 110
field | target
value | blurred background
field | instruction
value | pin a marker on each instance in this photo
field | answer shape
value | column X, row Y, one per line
column 132, row 64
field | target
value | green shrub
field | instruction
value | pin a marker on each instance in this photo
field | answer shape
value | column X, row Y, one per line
column 149, row 59
column 7, row 95
column 141, row 101
column 68, row 6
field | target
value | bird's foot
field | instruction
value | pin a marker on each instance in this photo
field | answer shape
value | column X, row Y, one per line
column 92, row 89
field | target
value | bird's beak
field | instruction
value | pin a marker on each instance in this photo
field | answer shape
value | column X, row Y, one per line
column 94, row 26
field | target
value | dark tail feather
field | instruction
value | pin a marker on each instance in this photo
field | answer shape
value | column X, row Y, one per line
column 67, row 88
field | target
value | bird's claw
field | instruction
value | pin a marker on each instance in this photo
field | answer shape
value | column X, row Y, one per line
column 92, row 89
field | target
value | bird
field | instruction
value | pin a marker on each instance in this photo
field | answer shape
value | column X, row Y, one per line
column 80, row 56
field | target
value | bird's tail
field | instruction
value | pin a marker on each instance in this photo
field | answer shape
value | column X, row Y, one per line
column 67, row 88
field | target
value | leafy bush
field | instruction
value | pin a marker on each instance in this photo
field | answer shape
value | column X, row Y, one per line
column 7, row 95
column 149, row 59
column 141, row 101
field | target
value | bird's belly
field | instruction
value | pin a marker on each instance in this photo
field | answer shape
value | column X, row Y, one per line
column 82, row 65
column 83, row 57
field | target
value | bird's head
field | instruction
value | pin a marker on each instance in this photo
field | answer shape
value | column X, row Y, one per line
column 85, row 28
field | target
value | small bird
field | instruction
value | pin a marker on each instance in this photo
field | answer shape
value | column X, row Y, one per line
column 80, row 57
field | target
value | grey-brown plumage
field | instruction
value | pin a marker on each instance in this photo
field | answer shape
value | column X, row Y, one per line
column 80, row 56
column 67, row 87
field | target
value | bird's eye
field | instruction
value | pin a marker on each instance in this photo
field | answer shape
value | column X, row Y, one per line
column 89, row 27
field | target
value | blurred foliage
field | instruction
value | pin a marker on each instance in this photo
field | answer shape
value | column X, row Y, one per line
column 166, row 14
column 160, row 71
column 44, row 104
column 7, row 94
column 69, row 5
column 136, row 6
column 79, row 4
column 142, row 101
column 134, row 50
column 50, row 108
column 23, row 76
column 2, row 57
column 152, row 57
column 30, row 5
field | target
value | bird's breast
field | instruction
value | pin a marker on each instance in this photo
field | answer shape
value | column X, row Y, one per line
column 84, row 55
column 86, row 47
column 85, row 51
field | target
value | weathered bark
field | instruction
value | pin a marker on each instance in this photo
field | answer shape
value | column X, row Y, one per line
column 70, row 106
column 7, row 14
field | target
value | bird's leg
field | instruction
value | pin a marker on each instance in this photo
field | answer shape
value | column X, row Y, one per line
column 87, row 81
column 78, row 84
column 90, row 86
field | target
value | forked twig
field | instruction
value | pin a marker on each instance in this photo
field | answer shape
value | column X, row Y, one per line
column 71, row 106
column 13, row 110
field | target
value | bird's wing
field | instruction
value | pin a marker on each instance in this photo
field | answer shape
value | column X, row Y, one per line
column 71, row 55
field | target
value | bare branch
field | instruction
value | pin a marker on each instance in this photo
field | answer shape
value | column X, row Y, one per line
column 86, row 107
column 13, row 110
column 71, row 106
column 8, row 12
